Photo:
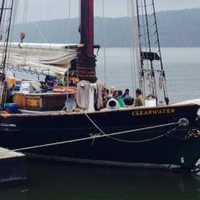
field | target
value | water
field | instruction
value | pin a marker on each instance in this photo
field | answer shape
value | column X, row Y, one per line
column 60, row 182
column 182, row 69
column 50, row 181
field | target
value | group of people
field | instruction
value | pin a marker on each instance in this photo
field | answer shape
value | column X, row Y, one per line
column 122, row 99
column 89, row 96
column 111, row 98
column 119, row 99
column 96, row 97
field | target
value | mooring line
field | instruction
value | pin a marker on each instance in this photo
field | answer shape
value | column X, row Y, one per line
column 98, row 136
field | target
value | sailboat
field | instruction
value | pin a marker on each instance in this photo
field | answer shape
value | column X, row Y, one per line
column 158, row 135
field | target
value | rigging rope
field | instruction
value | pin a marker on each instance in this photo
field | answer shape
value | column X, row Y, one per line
column 15, row 9
column 68, row 17
column 144, row 44
column 146, row 140
column 133, row 65
column 6, row 23
column 140, row 66
column 24, row 21
column 44, row 38
column 104, row 42
column 181, row 122
column 165, row 92
column 43, row 14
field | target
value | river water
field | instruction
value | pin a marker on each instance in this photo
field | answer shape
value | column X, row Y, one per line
column 182, row 68
column 58, row 181
column 48, row 181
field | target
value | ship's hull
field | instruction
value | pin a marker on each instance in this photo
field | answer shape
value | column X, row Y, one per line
column 168, row 144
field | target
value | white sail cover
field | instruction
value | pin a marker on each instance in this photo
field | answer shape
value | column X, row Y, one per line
column 44, row 58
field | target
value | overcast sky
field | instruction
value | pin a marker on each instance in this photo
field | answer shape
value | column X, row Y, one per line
column 51, row 9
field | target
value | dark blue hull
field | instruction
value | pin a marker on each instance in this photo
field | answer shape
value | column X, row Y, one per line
column 161, row 145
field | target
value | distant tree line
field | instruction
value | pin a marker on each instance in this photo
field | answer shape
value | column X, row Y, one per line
column 177, row 29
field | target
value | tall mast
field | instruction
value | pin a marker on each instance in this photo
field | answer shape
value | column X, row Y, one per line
column 160, row 54
column 154, row 90
column 2, row 10
column 86, row 65
column 5, row 27
column 152, row 75
column 141, row 64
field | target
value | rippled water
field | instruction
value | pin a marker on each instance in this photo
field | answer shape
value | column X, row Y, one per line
column 50, row 181
column 60, row 182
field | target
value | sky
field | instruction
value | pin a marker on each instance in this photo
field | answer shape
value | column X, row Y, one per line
column 34, row 10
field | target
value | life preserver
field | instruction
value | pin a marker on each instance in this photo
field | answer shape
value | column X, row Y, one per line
column 112, row 104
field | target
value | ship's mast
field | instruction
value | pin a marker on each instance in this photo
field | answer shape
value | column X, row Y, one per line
column 154, row 87
column 5, row 28
column 152, row 75
column 163, row 76
column 86, row 65
column 140, row 65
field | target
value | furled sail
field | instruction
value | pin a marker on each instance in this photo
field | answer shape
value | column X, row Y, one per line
column 44, row 58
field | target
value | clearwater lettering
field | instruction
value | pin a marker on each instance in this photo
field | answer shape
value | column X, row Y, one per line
column 153, row 112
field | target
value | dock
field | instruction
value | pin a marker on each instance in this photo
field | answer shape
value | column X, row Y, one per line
column 12, row 166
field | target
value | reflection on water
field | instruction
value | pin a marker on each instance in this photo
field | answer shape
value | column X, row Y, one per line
column 61, row 181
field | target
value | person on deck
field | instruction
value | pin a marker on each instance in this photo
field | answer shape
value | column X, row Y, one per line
column 120, row 99
column 126, row 94
column 128, row 100
column 105, row 96
column 139, row 101
column 51, row 81
column 73, row 79
column 112, row 92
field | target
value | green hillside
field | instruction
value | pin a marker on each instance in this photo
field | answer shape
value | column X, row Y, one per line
column 177, row 29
